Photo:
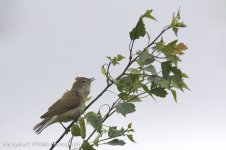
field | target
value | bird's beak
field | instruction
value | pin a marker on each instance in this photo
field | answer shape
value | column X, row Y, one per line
column 92, row 79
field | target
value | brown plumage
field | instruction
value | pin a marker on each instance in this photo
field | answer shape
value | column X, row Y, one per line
column 68, row 107
column 68, row 101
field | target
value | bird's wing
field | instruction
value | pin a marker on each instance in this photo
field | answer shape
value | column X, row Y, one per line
column 68, row 101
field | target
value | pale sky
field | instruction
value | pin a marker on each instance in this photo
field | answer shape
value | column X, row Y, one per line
column 44, row 45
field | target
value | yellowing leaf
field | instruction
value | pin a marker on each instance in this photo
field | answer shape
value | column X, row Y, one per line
column 180, row 48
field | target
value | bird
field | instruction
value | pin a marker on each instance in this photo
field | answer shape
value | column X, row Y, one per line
column 69, row 107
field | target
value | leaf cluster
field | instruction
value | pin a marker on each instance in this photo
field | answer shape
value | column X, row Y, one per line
column 151, row 72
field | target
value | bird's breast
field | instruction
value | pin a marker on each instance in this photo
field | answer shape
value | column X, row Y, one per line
column 70, row 115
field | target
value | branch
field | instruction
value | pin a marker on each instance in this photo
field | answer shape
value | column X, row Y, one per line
column 131, row 50
column 105, row 117
column 131, row 61
column 71, row 124
column 110, row 112
column 105, row 139
column 161, row 33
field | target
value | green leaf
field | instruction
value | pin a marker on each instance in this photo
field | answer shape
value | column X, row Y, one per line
column 95, row 120
column 116, row 142
column 125, row 108
column 157, row 80
column 145, row 58
column 145, row 88
column 138, row 31
column 176, row 24
column 177, row 84
column 82, row 127
column 184, row 75
column 125, row 84
column 166, row 67
column 184, row 85
column 114, row 61
column 165, row 83
column 130, row 125
column 123, row 96
column 148, row 15
column 120, row 57
column 113, row 132
column 159, row 91
column 134, row 98
column 175, row 30
column 177, row 73
column 75, row 130
column 181, row 25
column 103, row 70
column 108, row 57
column 151, row 69
column 159, row 46
column 96, row 140
column 169, row 49
column 130, row 137
column 174, row 59
column 133, row 71
column 173, row 23
column 180, row 85
column 149, row 38
column 86, row 146
column 135, row 81
column 174, row 93
column 178, row 14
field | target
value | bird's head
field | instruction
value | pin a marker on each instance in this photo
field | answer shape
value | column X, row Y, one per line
column 82, row 84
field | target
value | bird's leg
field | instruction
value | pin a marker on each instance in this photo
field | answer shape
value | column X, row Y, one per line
column 63, row 125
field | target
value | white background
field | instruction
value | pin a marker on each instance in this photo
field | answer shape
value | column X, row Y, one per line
column 45, row 44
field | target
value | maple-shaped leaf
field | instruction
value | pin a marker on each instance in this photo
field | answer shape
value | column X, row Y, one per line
column 180, row 48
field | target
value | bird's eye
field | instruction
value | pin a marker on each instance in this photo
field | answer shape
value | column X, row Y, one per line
column 83, row 81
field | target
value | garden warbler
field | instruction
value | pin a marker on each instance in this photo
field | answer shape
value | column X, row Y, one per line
column 69, row 107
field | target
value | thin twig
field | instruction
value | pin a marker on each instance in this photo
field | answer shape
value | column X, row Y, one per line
column 112, row 92
column 104, row 118
column 108, row 73
column 163, row 31
column 108, row 86
column 104, row 105
column 131, row 51
column 70, row 142
column 111, row 113
column 105, row 139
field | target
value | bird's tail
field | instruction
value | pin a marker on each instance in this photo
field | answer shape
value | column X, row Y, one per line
column 38, row 128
